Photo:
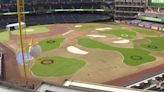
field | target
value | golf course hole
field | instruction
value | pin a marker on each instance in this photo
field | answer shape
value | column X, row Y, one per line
column 135, row 57
column 152, row 46
column 51, row 41
column 47, row 62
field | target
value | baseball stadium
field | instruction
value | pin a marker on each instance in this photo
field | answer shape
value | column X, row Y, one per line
column 82, row 45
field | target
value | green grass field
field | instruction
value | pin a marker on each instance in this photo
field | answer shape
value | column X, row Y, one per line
column 132, row 56
column 50, row 44
column 156, row 44
column 61, row 67
column 66, row 66
column 99, row 25
column 92, row 26
column 4, row 36
column 121, row 33
column 146, row 31
column 34, row 30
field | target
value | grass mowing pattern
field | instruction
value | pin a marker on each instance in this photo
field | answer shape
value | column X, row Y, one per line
column 61, row 66
column 126, row 52
column 36, row 29
column 156, row 43
column 50, row 46
column 121, row 33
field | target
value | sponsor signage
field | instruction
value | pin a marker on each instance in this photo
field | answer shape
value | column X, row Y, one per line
column 151, row 19
column 156, row 3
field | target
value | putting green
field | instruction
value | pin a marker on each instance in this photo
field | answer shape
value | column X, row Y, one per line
column 50, row 44
column 128, row 53
column 60, row 67
column 121, row 33
column 33, row 30
column 156, row 44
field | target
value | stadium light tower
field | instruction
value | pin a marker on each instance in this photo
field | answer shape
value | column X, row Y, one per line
column 21, row 18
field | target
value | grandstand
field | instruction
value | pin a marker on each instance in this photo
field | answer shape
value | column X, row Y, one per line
column 141, row 13
column 152, row 18
column 128, row 9
column 57, row 11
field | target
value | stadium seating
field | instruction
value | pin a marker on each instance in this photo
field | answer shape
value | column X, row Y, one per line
column 146, row 24
column 154, row 84
column 57, row 18
column 40, row 11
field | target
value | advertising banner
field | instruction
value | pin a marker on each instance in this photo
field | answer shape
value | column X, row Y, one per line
column 157, row 3
column 151, row 19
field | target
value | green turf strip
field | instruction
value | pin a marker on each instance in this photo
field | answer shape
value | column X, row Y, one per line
column 50, row 44
column 126, row 52
column 146, row 31
column 61, row 66
column 36, row 29
column 92, row 26
column 121, row 33
column 156, row 44
column 4, row 36
column 118, row 25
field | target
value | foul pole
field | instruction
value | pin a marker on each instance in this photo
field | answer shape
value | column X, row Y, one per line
column 21, row 18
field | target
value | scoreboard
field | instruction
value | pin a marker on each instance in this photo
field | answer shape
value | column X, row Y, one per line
column 156, row 3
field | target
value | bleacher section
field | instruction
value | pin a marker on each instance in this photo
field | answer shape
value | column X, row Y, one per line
column 155, row 83
column 154, row 21
column 45, row 11
column 147, row 24
column 56, row 18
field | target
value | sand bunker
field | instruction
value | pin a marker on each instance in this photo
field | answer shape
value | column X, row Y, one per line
column 76, row 50
column 103, row 29
column 121, row 41
column 97, row 36
column 70, row 31
column 78, row 26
